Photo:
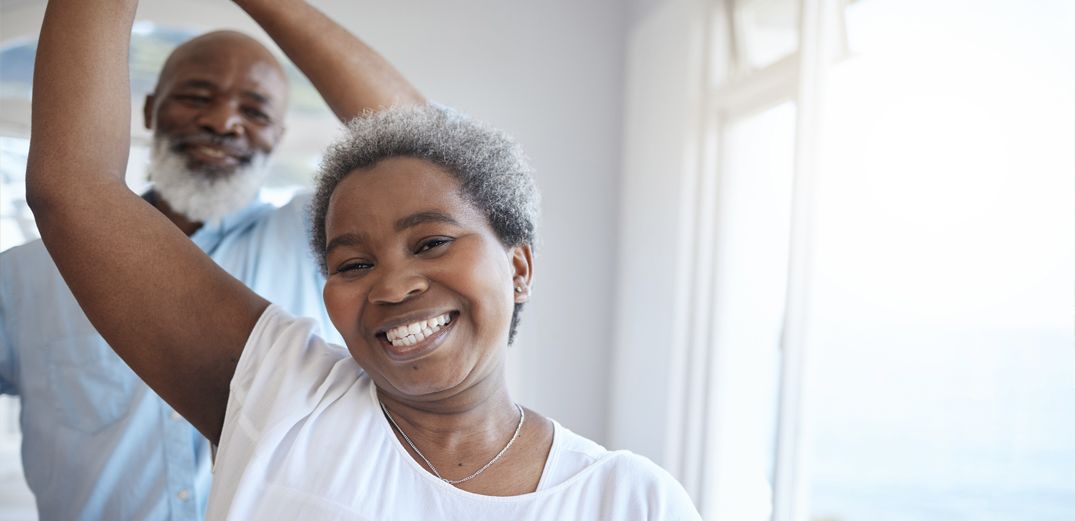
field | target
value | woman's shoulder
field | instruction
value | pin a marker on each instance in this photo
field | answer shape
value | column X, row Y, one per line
column 622, row 475
column 284, row 352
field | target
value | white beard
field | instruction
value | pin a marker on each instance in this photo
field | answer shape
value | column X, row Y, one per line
column 201, row 197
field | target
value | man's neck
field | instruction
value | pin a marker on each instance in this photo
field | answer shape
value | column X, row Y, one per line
column 186, row 225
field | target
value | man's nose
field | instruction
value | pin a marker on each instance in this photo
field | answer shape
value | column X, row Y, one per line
column 222, row 118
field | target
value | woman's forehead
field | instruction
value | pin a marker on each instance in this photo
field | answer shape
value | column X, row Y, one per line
column 396, row 189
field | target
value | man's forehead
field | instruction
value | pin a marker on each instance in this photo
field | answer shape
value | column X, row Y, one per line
column 226, row 57
column 260, row 79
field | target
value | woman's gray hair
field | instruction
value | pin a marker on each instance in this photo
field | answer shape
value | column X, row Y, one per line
column 493, row 172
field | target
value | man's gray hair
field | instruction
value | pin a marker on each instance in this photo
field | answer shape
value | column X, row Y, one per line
column 493, row 173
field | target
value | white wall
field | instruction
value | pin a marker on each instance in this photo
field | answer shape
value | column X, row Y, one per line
column 548, row 72
column 664, row 40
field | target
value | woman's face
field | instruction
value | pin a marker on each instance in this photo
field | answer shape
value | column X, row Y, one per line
column 418, row 283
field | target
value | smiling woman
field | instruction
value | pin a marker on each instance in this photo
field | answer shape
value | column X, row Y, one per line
column 425, row 221
column 420, row 252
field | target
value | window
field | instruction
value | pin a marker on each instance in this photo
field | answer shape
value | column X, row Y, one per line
column 16, row 221
column 942, row 373
column 889, row 320
column 753, row 229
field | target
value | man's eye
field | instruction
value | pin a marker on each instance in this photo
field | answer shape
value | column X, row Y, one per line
column 430, row 244
column 256, row 115
column 193, row 99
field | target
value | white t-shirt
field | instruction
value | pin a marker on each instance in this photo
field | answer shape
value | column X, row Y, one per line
column 305, row 439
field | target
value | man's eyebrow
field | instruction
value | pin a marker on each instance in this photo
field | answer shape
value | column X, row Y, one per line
column 209, row 85
column 347, row 239
column 424, row 217
column 199, row 84
column 257, row 96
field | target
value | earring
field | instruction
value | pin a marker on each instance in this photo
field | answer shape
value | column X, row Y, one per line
column 518, row 289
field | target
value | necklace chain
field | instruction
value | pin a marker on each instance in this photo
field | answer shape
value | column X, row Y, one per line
column 518, row 428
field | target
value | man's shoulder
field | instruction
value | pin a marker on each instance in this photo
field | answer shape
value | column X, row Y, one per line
column 291, row 217
column 299, row 203
column 271, row 207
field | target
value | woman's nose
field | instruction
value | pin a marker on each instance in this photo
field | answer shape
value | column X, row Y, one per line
column 397, row 285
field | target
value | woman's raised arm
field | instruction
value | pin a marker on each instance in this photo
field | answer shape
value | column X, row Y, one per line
column 175, row 317
column 351, row 76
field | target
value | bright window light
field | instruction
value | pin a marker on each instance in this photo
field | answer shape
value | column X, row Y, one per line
column 941, row 366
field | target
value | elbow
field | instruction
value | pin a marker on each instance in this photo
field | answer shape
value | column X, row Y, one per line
column 38, row 199
column 37, row 196
column 41, row 190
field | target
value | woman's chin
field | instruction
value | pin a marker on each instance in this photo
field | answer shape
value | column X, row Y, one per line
column 419, row 384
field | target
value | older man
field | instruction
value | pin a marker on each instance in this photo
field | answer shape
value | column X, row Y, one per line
column 97, row 443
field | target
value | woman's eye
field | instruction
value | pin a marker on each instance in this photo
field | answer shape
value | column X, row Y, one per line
column 353, row 267
column 432, row 243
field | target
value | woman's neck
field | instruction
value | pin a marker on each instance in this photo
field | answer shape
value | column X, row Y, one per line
column 465, row 426
column 460, row 435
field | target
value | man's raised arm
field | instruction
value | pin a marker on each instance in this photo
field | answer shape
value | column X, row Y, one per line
column 175, row 317
column 350, row 76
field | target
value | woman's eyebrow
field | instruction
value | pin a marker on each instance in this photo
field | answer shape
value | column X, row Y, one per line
column 346, row 239
column 424, row 217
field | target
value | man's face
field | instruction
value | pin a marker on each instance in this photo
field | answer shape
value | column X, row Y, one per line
column 216, row 115
column 219, row 104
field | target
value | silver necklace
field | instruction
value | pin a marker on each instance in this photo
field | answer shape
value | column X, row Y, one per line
column 518, row 428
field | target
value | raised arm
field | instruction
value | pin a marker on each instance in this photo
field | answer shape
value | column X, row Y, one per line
column 350, row 76
column 175, row 317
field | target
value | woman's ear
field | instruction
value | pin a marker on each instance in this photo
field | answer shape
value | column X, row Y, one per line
column 522, row 261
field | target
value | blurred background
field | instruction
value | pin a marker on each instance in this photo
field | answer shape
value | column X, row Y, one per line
column 814, row 257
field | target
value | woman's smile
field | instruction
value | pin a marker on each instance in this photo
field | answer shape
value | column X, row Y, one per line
column 415, row 339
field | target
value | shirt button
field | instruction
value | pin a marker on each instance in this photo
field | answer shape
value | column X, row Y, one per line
column 183, row 495
column 176, row 416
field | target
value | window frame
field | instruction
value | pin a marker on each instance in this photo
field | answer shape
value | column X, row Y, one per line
column 733, row 92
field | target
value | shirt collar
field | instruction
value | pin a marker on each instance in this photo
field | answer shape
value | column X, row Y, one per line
column 209, row 235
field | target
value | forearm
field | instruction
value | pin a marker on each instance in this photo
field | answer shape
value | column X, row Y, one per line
column 351, row 76
column 80, row 126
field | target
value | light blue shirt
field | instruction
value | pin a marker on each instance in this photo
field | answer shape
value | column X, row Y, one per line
column 97, row 442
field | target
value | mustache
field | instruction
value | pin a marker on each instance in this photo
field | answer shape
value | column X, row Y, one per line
column 231, row 145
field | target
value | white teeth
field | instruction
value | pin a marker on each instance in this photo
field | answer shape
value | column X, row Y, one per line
column 411, row 334
column 211, row 152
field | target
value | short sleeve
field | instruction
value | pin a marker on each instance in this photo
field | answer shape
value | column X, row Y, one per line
column 284, row 371
column 650, row 490
column 665, row 498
